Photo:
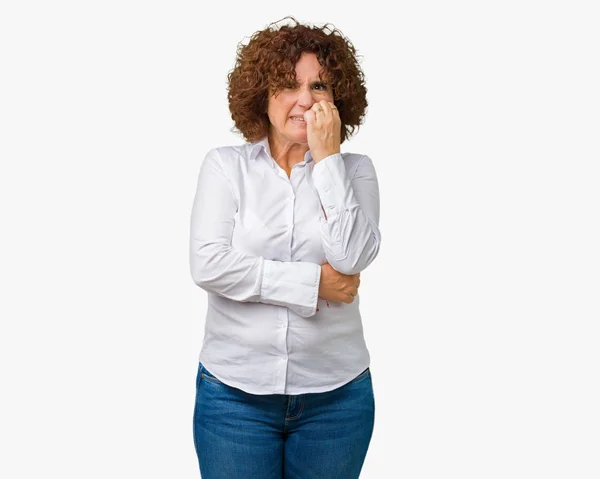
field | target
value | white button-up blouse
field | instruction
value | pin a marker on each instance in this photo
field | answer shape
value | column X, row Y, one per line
column 257, row 243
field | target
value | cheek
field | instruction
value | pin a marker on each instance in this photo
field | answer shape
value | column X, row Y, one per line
column 279, row 109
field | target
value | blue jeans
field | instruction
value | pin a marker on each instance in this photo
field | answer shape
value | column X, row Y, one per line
column 238, row 435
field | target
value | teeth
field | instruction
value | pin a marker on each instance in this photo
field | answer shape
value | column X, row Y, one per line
column 297, row 118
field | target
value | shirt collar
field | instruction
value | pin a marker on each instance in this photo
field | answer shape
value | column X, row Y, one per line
column 264, row 143
column 258, row 145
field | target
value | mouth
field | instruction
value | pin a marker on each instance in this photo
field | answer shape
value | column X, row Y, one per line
column 298, row 120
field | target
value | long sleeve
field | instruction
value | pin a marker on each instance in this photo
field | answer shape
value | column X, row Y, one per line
column 219, row 268
column 350, row 233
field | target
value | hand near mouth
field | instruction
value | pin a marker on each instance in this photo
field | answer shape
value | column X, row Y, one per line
column 323, row 130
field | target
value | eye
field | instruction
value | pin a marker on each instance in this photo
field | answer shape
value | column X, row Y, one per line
column 323, row 86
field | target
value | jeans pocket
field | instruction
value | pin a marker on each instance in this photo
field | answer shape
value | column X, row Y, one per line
column 201, row 373
column 361, row 376
column 206, row 374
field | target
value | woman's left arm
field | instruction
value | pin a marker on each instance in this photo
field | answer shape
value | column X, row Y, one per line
column 350, row 228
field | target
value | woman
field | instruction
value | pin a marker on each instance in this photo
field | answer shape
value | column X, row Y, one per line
column 281, row 227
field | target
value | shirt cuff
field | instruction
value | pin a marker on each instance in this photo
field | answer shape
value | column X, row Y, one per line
column 291, row 284
column 333, row 184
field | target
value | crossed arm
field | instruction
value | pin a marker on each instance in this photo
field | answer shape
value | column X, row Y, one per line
column 349, row 231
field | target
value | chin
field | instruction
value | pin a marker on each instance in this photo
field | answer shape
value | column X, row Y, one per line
column 300, row 137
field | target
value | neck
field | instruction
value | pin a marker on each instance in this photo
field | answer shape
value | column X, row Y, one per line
column 286, row 153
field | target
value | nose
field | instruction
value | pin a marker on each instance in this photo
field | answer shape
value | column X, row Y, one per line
column 305, row 98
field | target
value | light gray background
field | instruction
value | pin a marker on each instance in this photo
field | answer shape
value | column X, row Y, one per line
column 481, row 312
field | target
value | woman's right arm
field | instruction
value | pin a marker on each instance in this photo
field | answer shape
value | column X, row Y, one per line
column 219, row 268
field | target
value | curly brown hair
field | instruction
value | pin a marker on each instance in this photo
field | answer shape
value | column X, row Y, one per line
column 267, row 64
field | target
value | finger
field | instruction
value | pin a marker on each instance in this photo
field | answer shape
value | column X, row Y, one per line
column 327, row 111
column 309, row 117
column 318, row 112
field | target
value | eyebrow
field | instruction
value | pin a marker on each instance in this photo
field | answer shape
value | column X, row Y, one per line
column 315, row 82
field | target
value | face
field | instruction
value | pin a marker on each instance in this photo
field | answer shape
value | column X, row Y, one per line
column 295, row 101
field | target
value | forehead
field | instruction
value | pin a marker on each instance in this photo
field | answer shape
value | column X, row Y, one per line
column 307, row 70
column 310, row 73
column 308, row 66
